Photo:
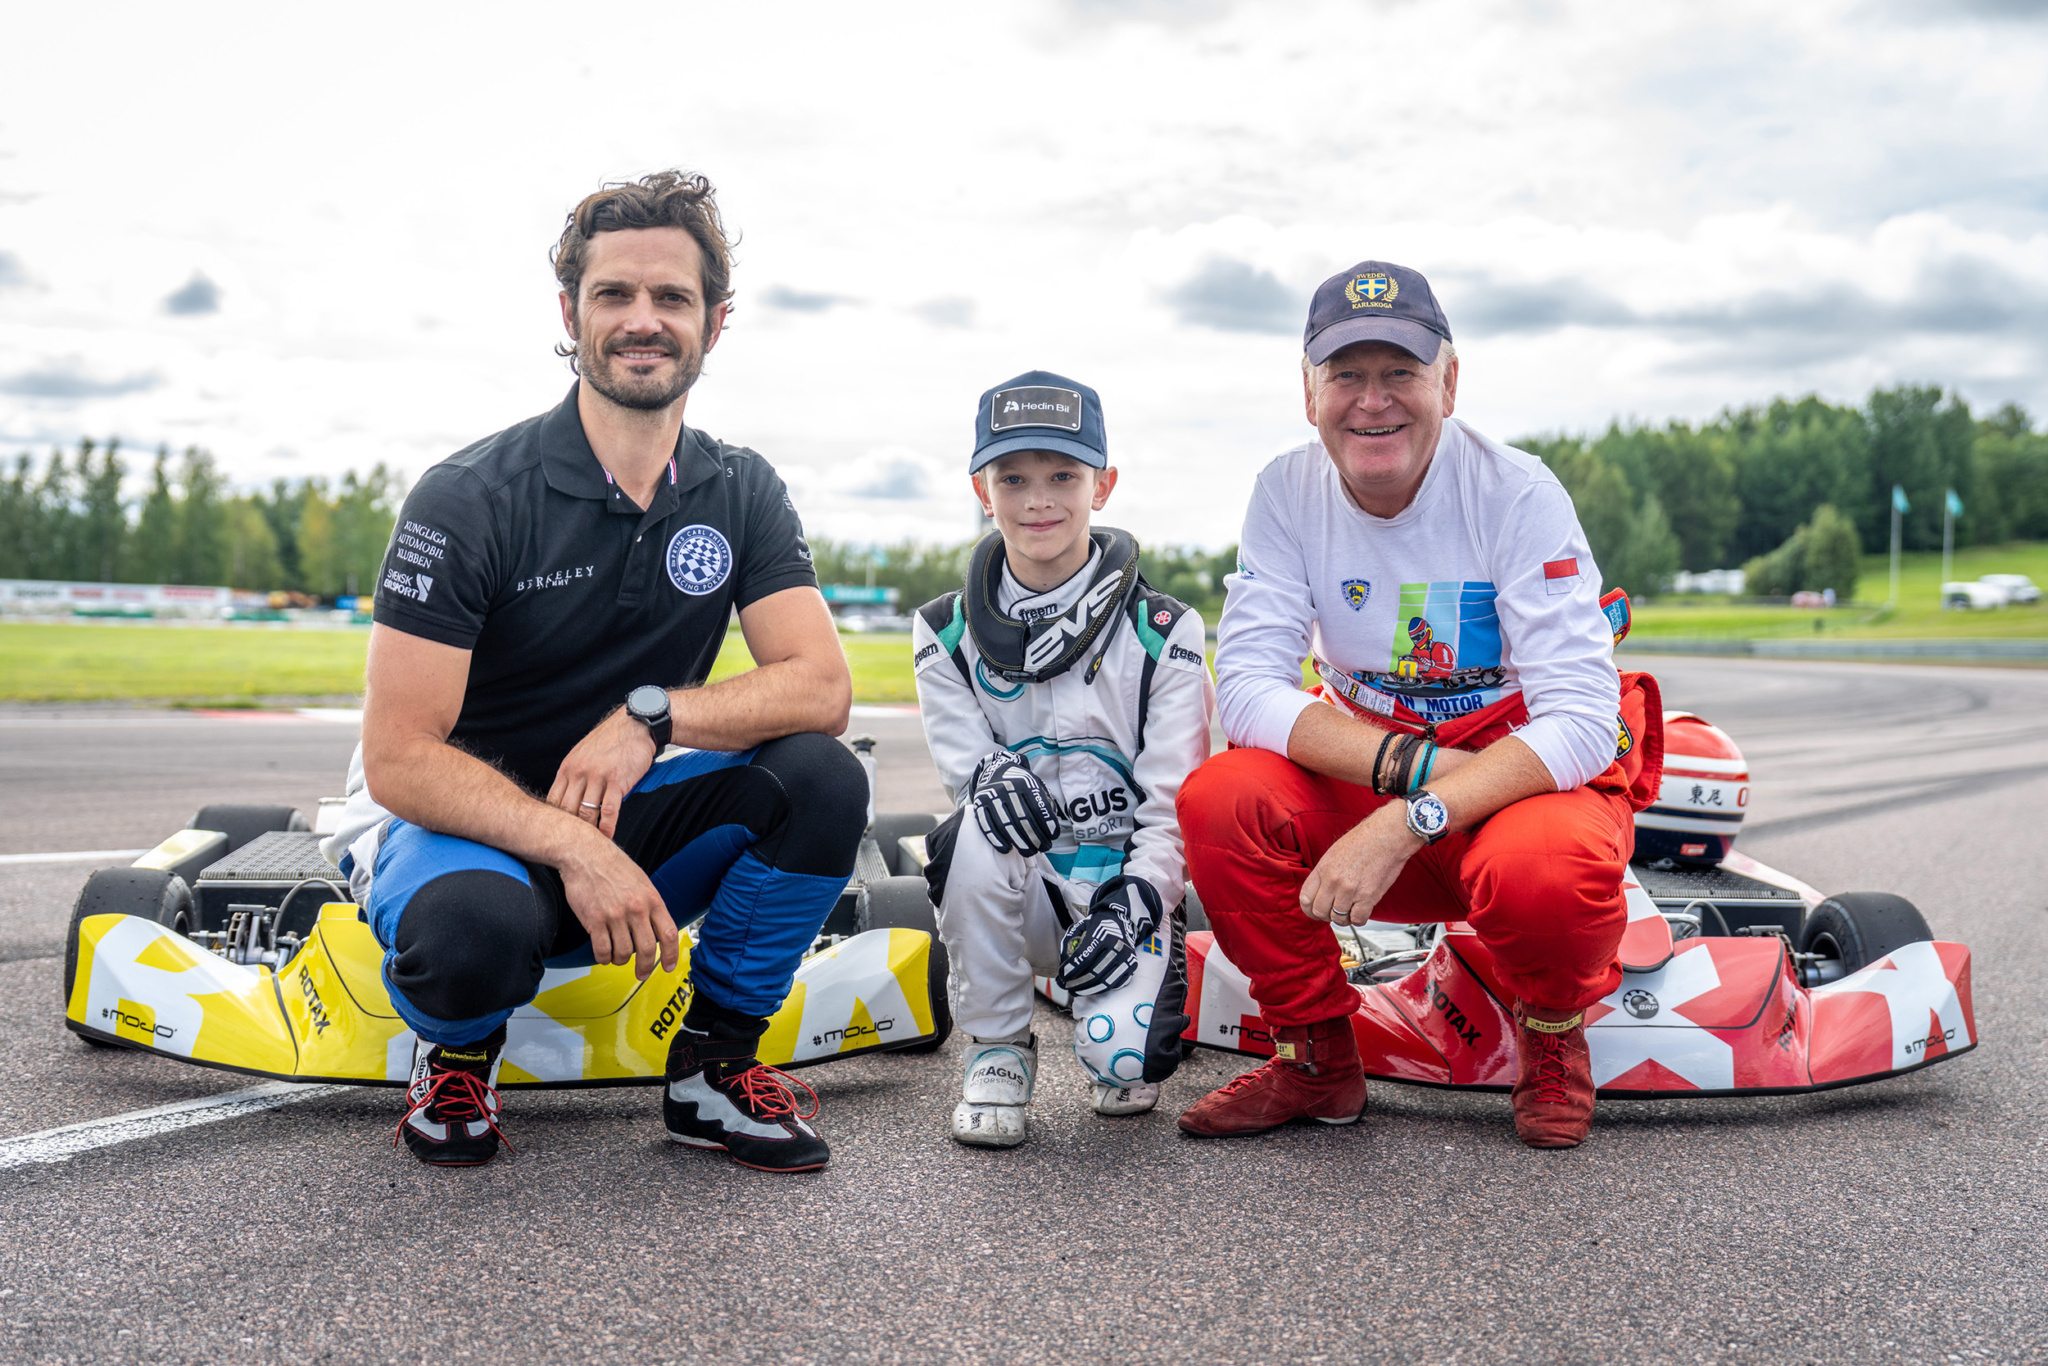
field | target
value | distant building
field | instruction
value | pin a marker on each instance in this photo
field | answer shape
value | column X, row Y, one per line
column 1731, row 581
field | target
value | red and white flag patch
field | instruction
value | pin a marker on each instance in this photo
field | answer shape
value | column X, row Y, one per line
column 1560, row 576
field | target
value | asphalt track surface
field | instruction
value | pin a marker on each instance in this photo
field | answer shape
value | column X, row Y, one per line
column 1896, row 1222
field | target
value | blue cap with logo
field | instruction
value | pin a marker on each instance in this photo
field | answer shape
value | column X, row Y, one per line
column 1375, row 301
column 1040, row 411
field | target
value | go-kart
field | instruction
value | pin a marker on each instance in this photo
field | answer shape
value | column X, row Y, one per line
column 1737, row 979
column 233, row 944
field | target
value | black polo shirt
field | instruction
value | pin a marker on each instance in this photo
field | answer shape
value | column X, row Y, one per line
column 520, row 550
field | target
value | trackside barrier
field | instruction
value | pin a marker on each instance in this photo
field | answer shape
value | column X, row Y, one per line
column 1843, row 649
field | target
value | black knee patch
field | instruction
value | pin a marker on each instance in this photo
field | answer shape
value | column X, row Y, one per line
column 827, row 792
column 471, row 943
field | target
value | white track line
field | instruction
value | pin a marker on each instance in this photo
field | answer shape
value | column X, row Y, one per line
column 75, row 856
column 60, row 1145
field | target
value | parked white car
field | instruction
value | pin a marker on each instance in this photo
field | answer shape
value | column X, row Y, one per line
column 1972, row 597
column 2018, row 588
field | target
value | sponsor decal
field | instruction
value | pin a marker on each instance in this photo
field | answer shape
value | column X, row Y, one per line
column 1372, row 289
column 928, row 652
column 557, row 578
column 1162, row 617
column 133, row 1020
column 1624, row 739
column 1182, row 652
column 671, row 1012
column 699, row 560
column 1933, row 1037
column 316, row 1009
column 1356, row 592
column 1454, row 1017
column 1560, row 576
column 1044, row 649
column 1639, row 1003
column 1785, row 1029
column 414, row 586
column 1691, row 850
column 998, row 1071
column 1034, row 406
column 852, row 1032
column 1089, row 805
column 1038, row 613
column 1249, row 1034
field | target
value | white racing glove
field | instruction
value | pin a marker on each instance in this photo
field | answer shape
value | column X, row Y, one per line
column 1099, row 952
column 1011, row 806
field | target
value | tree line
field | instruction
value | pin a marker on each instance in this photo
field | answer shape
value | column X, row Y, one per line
column 72, row 521
column 1792, row 491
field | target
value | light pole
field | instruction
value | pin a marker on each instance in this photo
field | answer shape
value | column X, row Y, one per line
column 1899, row 506
column 1951, row 508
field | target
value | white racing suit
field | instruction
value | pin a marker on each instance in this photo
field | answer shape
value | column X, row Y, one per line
column 1112, row 752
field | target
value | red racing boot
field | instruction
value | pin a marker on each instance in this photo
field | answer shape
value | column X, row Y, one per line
column 1554, row 1096
column 1314, row 1074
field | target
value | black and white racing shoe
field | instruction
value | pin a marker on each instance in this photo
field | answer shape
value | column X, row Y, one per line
column 451, row 1119
column 719, row 1096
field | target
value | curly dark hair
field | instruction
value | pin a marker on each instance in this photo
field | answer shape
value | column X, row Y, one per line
column 665, row 199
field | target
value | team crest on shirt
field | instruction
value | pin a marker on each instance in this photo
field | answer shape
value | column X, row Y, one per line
column 699, row 560
column 1372, row 289
column 1356, row 591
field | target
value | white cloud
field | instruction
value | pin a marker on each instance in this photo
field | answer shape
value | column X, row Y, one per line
column 1628, row 210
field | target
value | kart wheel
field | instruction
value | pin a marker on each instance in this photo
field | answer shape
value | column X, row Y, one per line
column 1198, row 918
column 242, row 822
column 1861, row 927
column 904, row 903
column 148, row 892
column 891, row 826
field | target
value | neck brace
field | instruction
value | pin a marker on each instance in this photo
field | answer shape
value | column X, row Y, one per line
column 1048, row 645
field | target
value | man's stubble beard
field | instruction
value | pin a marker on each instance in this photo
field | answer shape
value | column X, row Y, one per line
column 643, row 395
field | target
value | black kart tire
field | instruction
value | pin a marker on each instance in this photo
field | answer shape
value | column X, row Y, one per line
column 1198, row 918
column 891, row 826
column 242, row 822
column 148, row 892
column 1860, row 928
column 904, row 903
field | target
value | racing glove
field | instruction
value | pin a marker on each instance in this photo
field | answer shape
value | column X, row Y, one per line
column 1099, row 952
column 1011, row 806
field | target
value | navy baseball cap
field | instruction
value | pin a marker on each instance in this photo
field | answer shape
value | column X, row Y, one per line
column 1375, row 301
column 1040, row 411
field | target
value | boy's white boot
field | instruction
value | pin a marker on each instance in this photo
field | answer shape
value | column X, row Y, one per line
column 1134, row 1099
column 1000, row 1073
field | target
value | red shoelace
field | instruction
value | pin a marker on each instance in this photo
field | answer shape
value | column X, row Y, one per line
column 1245, row 1080
column 454, row 1096
column 1553, row 1073
column 771, row 1093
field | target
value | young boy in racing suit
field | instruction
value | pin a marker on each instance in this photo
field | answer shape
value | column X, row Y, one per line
column 1064, row 701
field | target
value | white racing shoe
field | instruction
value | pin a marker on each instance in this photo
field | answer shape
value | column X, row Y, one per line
column 1134, row 1099
column 997, row 1087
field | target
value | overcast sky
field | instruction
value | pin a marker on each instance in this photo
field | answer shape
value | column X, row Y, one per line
column 310, row 244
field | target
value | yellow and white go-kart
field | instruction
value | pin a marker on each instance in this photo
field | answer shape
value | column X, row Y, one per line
column 233, row 944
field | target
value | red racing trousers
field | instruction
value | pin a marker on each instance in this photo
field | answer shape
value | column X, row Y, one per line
column 1539, row 881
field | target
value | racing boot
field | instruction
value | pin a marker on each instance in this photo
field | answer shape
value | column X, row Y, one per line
column 1554, row 1095
column 451, row 1119
column 1133, row 1099
column 995, row 1090
column 1314, row 1074
column 720, row 1096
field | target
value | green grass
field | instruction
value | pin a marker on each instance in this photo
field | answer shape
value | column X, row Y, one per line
column 1918, row 615
column 168, row 663
column 223, row 666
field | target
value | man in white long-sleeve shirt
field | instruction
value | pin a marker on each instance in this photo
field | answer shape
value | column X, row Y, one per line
column 1470, row 754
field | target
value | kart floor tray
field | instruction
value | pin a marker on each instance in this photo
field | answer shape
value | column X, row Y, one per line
column 264, row 872
column 1710, row 884
column 281, row 855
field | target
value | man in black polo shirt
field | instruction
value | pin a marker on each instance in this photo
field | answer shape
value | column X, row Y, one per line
column 552, row 599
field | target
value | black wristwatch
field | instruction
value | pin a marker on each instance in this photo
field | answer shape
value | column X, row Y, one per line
column 648, row 705
column 1428, row 820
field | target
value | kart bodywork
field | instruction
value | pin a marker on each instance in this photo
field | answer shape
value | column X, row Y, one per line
column 266, row 975
column 1727, row 1014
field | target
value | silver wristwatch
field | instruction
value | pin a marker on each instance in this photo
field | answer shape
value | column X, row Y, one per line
column 1428, row 820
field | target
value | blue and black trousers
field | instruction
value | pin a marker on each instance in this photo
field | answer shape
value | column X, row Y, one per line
column 759, row 843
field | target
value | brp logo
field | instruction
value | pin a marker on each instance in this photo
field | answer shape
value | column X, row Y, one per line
column 1639, row 1003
